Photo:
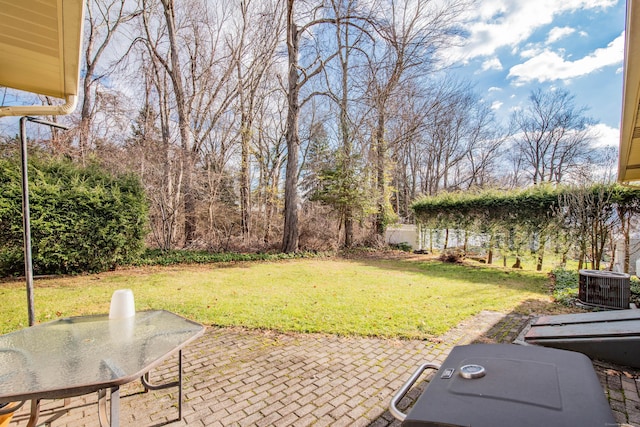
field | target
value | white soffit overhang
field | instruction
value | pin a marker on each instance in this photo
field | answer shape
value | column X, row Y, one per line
column 629, row 162
column 40, row 43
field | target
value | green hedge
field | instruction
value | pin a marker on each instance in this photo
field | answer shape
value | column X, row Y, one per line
column 82, row 219
column 533, row 206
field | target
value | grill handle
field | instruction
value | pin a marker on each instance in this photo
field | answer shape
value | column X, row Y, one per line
column 393, row 405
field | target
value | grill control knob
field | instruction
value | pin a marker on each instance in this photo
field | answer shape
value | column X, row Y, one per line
column 471, row 372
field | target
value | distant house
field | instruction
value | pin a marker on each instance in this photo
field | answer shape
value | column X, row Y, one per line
column 403, row 234
column 420, row 238
column 634, row 256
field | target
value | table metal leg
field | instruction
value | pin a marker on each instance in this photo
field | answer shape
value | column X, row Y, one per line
column 115, row 406
column 150, row 386
column 102, row 408
column 35, row 413
column 180, row 385
column 114, row 410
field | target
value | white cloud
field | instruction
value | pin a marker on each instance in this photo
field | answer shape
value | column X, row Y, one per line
column 530, row 52
column 605, row 136
column 499, row 23
column 492, row 64
column 551, row 66
column 557, row 33
column 496, row 105
column 494, row 89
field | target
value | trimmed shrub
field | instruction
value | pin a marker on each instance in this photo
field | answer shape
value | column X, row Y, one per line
column 82, row 219
column 635, row 290
column 565, row 285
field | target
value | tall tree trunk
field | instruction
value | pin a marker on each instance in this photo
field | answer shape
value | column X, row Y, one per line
column 581, row 258
column 184, row 125
column 540, row 258
column 346, row 139
column 613, row 257
column 431, row 240
column 540, row 251
column 490, row 251
column 85, row 117
column 189, row 199
column 245, row 192
column 625, row 222
column 381, row 152
column 290, row 233
column 271, row 198
column 245, row 139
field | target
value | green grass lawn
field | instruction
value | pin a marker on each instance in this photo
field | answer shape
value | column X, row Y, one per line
column 410, row 298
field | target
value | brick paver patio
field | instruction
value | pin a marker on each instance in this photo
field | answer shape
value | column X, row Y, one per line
column 239, row 377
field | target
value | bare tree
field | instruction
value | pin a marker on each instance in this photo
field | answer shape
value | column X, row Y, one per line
column 405, row 130
column 485, row 140
column 413, row 32
column 260, row 32
column 297, row 77
column 198, row 57
column 173, row 68
column 270, row 146
column 153, row 155
column 465, row 141
column 589, row 218
column 342, row 181
column 103, row 19
column 550, row 134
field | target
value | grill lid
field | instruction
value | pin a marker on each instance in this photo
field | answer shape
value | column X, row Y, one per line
column 523, row 386
column 526, row 382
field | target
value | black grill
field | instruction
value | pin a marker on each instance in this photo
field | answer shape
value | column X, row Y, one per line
column 489, row 385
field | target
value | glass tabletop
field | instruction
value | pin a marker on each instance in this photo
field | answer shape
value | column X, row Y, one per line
column 77, row 355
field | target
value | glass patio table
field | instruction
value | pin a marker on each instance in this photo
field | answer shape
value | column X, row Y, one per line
column 81, row 355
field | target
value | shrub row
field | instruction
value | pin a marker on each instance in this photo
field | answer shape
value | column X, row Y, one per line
column 82, row 219
column 173, row 257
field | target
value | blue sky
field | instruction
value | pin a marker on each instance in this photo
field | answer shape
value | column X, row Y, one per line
column 515, row 46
